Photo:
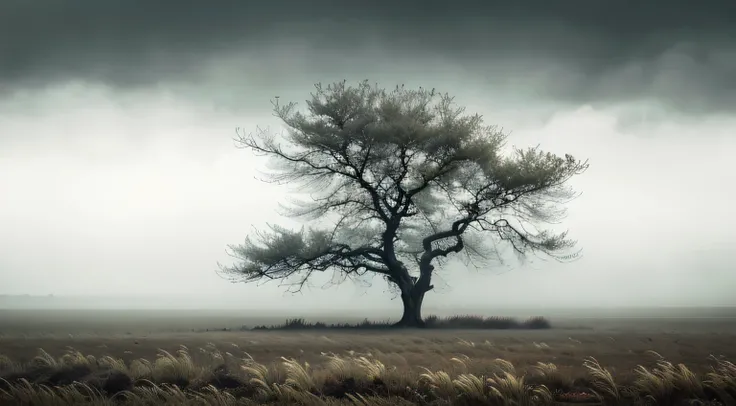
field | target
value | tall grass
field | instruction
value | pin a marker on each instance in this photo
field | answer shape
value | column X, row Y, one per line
column 351, row 378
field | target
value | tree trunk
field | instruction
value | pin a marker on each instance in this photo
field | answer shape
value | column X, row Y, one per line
column 412, row 295
column 412, row 316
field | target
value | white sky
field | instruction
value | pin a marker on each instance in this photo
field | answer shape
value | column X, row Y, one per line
column 139, row 195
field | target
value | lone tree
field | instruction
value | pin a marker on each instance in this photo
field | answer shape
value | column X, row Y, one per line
column 399, row 181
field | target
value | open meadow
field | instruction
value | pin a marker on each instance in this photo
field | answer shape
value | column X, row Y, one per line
column 208, row 357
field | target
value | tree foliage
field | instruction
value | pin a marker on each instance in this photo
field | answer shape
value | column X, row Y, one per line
column 397, row 181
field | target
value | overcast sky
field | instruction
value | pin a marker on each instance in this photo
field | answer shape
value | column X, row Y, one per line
column 119, row 176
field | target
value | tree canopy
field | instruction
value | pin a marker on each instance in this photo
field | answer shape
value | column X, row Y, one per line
column 398, row 181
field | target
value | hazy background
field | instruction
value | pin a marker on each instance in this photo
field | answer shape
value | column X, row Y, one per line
column 119, row 179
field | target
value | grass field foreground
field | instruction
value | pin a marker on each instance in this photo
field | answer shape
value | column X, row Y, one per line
column 458, row 372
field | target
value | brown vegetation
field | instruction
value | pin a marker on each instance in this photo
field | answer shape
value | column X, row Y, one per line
column 234, row 377
column 431, row 322
column 373, row 367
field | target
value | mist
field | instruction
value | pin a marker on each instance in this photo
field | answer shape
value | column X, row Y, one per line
column 120, row 181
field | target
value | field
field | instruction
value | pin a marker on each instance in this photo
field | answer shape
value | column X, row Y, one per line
column 205, row 358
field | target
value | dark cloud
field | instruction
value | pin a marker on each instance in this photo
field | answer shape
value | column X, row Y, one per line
column 679, row 51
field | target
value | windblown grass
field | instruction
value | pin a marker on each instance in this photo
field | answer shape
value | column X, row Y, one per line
column 223, row 378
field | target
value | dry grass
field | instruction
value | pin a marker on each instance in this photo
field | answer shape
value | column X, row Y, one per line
column 432, row 322
column 351, row 378
column 441, row 366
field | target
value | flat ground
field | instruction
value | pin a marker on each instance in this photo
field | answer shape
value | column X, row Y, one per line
column 617, row 343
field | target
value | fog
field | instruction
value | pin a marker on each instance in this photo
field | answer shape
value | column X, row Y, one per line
column 119, row 178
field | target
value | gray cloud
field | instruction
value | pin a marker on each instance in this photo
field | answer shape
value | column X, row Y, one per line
column 680, row 52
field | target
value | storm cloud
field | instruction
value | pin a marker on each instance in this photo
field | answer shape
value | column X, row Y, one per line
column 679, row 53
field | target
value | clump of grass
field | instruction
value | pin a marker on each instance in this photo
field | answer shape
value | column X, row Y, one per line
column 536, row 323
column 510, row 389
column 25, row 393
column 473, row 322
column 264, row 380
column 667, row 383
column 299, row 376
column 44, row 360
column 302, row 324
column 73, row 358
column 431, row 322
column 603, row 383
column 722, row 380
column 551, row 377
column 176, row 369
column 470, row 321
column 7, row 365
